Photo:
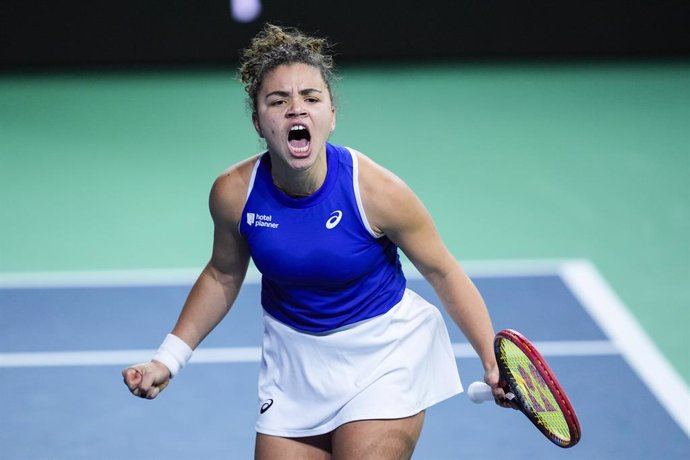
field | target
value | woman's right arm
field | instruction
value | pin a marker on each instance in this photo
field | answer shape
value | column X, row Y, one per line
column 217, row 286
column 219, row 283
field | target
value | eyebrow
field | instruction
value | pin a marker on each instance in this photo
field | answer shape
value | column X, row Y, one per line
column 304, row 92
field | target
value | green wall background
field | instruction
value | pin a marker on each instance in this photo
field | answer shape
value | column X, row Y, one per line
column 103, row 171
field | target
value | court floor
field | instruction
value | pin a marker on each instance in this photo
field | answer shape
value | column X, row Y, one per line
column 64, row 338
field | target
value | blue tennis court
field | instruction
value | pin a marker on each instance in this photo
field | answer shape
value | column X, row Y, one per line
column 64, row 339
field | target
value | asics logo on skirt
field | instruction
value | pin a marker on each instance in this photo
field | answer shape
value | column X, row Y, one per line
column 265, row 406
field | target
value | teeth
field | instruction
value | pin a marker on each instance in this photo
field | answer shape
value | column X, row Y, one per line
column 301, row 150
column 297, row 128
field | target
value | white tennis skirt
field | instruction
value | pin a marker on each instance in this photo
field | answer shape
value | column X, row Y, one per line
column 391, row 366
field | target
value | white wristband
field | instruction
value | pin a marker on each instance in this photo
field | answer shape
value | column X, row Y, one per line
column 174, row 353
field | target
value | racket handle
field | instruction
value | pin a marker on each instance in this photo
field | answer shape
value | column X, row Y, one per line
column 479, row 392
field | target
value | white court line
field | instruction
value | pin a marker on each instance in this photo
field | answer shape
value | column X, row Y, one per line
column 123, row 357
column 626, row 334
column 253, row 354
column 187, row 276
column 105, row 278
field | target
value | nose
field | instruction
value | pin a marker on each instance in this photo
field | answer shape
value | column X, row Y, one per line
column 296, row 109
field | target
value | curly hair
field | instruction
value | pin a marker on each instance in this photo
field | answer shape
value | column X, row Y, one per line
column 275, row 46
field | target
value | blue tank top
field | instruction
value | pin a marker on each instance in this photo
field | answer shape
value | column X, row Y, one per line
column 322, row 265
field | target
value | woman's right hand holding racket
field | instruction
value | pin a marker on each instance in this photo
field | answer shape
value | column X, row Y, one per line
column 533, row 386
column 493, row 389
column 146, row 380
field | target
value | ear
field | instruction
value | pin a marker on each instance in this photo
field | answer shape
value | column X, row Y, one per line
column 257, row 126
column 333, row 118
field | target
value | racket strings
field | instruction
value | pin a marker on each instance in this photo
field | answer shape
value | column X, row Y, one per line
column 534, row 392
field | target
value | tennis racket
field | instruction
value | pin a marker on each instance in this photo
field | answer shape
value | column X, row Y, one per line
column 532, row 386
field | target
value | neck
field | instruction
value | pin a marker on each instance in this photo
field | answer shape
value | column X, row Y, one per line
column 300, row 183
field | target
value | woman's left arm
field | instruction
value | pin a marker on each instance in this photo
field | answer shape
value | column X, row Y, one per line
column 393, row 209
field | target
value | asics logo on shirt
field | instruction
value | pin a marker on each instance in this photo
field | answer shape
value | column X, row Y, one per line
column 334, row 219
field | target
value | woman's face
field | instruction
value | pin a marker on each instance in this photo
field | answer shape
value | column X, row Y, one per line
column 295, row 114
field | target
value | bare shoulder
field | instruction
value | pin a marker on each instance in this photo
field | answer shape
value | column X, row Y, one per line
column 374, row 177
column 229, row 191
column 386, row 198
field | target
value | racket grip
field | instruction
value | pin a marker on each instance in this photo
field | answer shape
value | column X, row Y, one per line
column 479, row 392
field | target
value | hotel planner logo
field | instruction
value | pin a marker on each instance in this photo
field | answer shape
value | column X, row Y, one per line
column 260, row 220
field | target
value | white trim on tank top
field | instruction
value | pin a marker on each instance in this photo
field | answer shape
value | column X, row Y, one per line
column 358, row 197
column 252, row 178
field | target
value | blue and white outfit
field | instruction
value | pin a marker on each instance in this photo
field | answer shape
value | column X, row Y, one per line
column 344, row 339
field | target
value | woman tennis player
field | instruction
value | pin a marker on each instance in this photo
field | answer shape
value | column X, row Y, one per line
column 351, row 358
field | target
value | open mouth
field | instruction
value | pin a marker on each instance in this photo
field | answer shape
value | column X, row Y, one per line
column 299, row 139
